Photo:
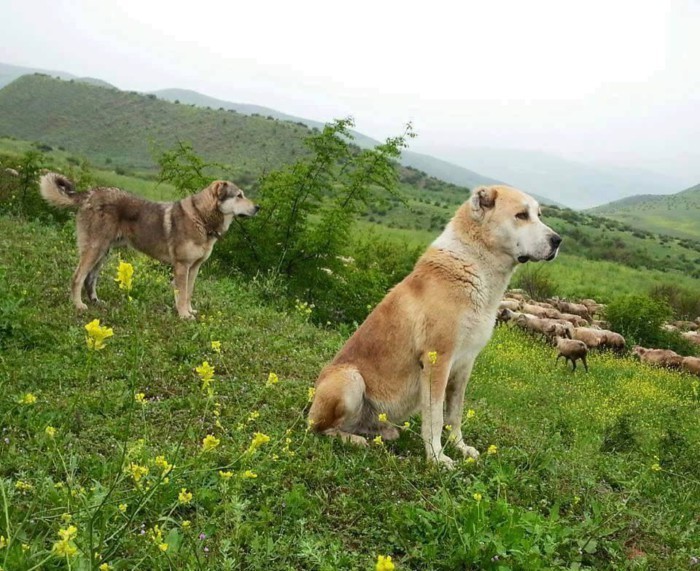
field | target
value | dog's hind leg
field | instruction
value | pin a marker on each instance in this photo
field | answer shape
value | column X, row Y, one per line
column 91, row 280
column 338, row 404
column 89, row 258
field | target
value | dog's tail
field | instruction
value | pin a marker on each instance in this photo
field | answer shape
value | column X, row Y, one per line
column 59, row 191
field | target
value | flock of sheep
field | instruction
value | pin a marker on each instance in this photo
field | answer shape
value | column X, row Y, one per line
column 576, row 328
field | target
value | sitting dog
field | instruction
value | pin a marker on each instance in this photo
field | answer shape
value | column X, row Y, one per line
column 415, row 351
column 181, row 233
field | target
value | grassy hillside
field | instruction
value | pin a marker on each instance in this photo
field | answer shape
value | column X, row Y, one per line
column 588, row 471
column 675, row 214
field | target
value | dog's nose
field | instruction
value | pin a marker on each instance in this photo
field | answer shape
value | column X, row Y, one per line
column 257, row 207
column 555, row 240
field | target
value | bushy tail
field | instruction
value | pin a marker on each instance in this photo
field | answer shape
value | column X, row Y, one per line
column 59, row 191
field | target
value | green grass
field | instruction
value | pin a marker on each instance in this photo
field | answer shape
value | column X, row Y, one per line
column 675, row 214
column 574, row 482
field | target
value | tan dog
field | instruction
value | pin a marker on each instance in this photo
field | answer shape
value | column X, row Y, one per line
column 416, row 350
column 181, row 233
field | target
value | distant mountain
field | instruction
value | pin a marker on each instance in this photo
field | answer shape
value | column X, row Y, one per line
column 576, row 184
column 8, row 73
column 430, row 165
column 674, row 214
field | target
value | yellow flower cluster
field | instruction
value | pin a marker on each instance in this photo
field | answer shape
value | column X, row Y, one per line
column 311, row 393
column 216, row 345
column 65, row 547
column 140, row 398
column 96, row 335
column 22, row 486
column 163, row 464
column 272, row 379
column 50, row 431
column 27, row 398
column 225, row 475
column 493, row 449
column 155, row 535
column 248, row 474
column 477, row 497
column 432, row 357
column 184, row 497
column 210, row 442
column 125, row 274
column 3, row 542
column 384, row 563
column 137, row 472
column 382, row 417
column 258, row 440
column 206, row 374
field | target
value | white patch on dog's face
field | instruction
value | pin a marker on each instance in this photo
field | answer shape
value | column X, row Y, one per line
column 515, row 225
column 234, row 203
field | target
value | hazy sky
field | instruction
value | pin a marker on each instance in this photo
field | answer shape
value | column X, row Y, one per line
column 613, row 80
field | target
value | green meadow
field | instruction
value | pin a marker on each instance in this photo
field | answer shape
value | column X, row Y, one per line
column 138, row 456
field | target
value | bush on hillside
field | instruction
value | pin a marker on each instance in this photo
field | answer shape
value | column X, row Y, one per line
column 536, row 281
column 685, row 304
column 639, row 319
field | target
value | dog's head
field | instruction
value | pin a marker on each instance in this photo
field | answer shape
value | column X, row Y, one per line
column 510, row 222
column 231, row 200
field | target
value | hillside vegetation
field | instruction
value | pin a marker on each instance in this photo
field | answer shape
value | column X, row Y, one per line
column 675, row 214
column 155, row 471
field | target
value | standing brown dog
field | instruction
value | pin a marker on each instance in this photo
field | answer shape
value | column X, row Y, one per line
column 416, row 350
column 181, row 233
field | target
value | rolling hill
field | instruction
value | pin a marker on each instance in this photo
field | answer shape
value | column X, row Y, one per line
column 676, row 214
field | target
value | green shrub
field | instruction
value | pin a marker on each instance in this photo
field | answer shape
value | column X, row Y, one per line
column 536, row 281
column 638, row 318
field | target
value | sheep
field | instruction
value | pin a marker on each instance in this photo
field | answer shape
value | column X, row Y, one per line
column 575, row 320
column 692, row 336
column 572, row 350
column 686, row 325
column 691, row 365
column 11, row 172
column 575, row 308
column 592, row 306
column 541, row 312
column 511, row 304
column 660, row 357
column 516, row 296
column 593, row 338
column 670, row 328
column 546, row 327
column 615, row 341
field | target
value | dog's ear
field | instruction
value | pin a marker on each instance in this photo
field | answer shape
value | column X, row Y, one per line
column 483, row 199
column 218, row 188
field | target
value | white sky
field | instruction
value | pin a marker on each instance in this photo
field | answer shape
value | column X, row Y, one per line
column 613, row 80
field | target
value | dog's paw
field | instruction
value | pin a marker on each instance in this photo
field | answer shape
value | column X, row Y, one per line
column 81, row 306
column 468, row 451
column 357, row 440
column 444, row 461
column 187, row 315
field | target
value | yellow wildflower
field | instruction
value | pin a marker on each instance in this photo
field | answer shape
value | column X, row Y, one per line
column 50, row 431
column 68, row 533
column 125, row 273
column 216, row 345
column 470, row 460
column 477, row 497
column 384, row 563
column 163, row 547
column 64, row 548
column 105, row 567
column 205, row 371
column 407, row 425
column 253, row 416
column 272, row 379
column 656, row 467
column 382, row 417
column 184, row 497
column 137, row 472
column 249, row 474
column 378, row 440
column 122, row 508
column 22, row 486
column 96, row 335
column 432, row 357
column 210, row 442
column 3, row 542
column 471, row 413
column 258, row 440
column 225, row 475
column 66, row 518
column 493, row 449
column 448, row 427
column 186, row 524
column 140, row 398
column 163, row 464
column 27, row 398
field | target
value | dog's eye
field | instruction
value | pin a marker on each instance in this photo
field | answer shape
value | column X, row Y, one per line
column 523, row 215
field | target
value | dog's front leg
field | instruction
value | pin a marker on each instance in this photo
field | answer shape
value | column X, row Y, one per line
column 457, row 384
column 436, row 368
column 182, row 301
